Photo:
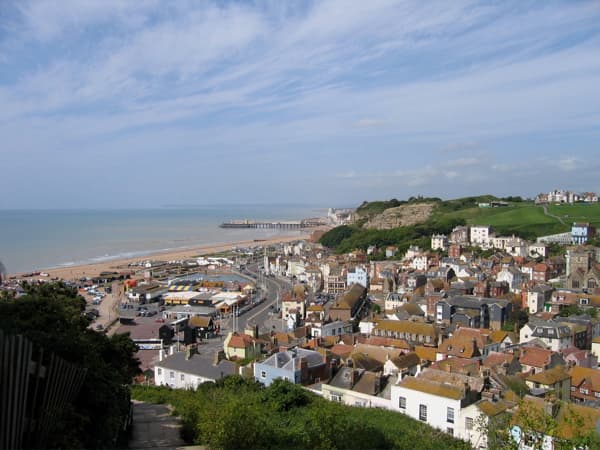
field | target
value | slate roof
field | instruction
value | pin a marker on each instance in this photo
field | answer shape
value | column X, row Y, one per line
column 198, row 365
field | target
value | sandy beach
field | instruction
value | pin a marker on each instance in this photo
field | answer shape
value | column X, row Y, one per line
column 91, row 270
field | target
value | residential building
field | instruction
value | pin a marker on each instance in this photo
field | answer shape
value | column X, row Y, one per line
column 349, row 305
column 480, row 236
column 241, row 346
column 337, row 328
column 439, row 242
column 556, row 380
column 585, row 385
column 554, row 335
column 358, row 275
column 437, row 398
column 187, row 370
column 536, row 359
column 298, row 365
column 358, row 387
column 473, row 312
column 414, row 332
column 539, row 298
column 581, row 232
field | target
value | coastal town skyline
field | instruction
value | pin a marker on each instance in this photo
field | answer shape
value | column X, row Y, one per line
column 115, row 104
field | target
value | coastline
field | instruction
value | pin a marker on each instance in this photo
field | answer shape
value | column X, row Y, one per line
column 119, row 264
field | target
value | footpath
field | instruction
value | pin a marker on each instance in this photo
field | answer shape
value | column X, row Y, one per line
column 155, row 428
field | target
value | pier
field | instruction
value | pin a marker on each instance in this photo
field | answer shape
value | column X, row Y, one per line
column 289, row 224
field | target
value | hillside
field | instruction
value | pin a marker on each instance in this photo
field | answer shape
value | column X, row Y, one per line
column 401, row 216
column 235, row 413
column 385, row 223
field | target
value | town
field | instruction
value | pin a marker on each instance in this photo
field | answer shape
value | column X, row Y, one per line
column 476, row 327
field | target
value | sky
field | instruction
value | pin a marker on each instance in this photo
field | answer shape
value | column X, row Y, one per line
column 112, row 103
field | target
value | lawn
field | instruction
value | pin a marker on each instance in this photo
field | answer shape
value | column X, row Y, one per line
column 523, row 219
column 577, row 213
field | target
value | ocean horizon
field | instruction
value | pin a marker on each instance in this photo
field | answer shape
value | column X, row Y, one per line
column 43, row 238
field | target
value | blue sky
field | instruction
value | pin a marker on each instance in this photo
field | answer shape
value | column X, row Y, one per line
column 107, row 103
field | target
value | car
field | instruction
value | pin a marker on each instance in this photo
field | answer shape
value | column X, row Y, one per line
column 160, row 320
column 99, row 327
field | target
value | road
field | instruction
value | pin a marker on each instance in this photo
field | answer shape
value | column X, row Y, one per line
column 263, row 315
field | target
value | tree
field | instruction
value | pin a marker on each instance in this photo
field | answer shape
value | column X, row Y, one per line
column 51, row 316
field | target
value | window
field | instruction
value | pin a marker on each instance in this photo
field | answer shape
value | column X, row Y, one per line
column 336, row 398
column 172, row 375
column 583, row 301
column 450, row 431
column 597, row 394
column 575, row 284
column 263, row 374
column 584, row 391
column 159, row 371
column 469, row 423
column 450, row 415
column 423, row 413
column 402, row 402
column 182, row 377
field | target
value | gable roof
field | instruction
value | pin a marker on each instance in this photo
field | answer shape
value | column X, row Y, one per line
column 583, row 374
column 550, row 376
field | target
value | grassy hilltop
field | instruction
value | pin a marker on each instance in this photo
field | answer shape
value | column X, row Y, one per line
column 521, row 218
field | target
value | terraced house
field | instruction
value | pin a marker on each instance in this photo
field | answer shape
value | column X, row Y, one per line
column 413, row 332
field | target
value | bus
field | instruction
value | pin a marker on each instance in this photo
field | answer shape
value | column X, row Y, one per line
column 149, row 344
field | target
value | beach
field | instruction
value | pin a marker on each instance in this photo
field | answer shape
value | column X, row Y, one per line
column 91, row 270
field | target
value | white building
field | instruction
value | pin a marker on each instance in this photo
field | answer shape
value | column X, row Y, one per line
column 187, row 370
column 513, row 277
column 538, row 249
column 420, row 262
column 480, row 235
column 442, row 405
column 358, row 275
column 439, row 242
column 556, row 336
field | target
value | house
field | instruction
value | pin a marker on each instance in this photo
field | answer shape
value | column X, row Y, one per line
column 241, row 346
column 439, row 242
column 414, row 332
column 403, row 365
column 337, row 328
column 357, row 275
column 585, row 385
column 358, row 387
column 473, row 312
column 391, row 251
column 187, row 370
column 554, row 335
column 459, row 235
column 538, row 297
column 298, row 365
column 513, row 276
column 437, row 398
column 556, row 380
column 349, row 305
column 537, row 250
column 480, row 236
column 581, row 232
column 535, row 359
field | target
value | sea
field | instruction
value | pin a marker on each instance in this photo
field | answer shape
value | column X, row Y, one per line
column 41, row 239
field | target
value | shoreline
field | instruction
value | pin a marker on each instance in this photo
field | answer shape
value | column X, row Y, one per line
column 118, row 264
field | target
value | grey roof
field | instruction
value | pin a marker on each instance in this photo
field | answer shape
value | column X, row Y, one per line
column 549, row 329
column 198, row 365
column 463, row 301
column 291, row 358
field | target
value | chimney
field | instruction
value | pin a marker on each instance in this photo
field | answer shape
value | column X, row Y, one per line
column 172, row 350
column 161, row 354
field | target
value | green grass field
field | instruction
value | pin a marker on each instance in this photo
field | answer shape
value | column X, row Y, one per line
column 577, row 213
column 528, row 220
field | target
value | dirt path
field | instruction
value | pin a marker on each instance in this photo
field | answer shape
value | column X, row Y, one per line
column 545, row 207
column 154, row 427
